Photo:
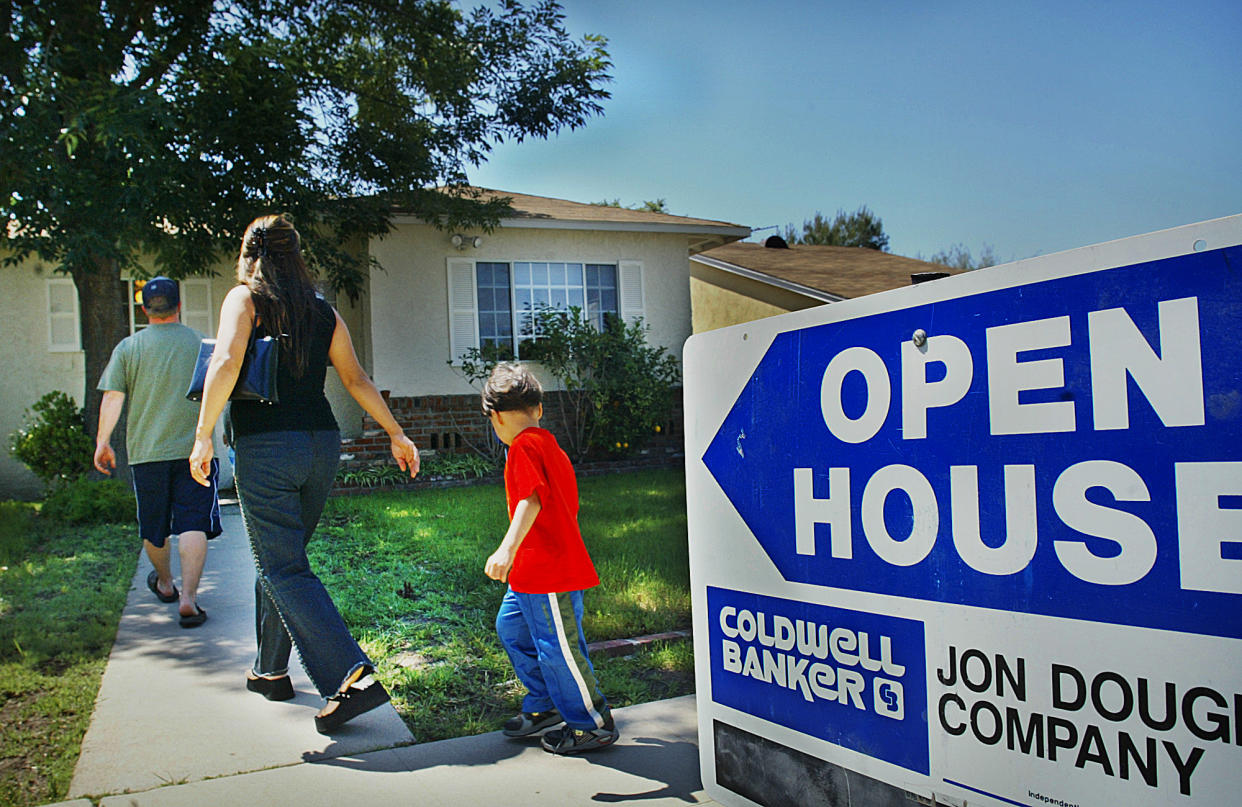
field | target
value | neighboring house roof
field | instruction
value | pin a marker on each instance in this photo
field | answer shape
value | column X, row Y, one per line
column 825, row 273
column 562, row 214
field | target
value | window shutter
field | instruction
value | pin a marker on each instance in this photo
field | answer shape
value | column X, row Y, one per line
column 463, row 317
column 630, row 290
column 63, row 316
column 196, row 305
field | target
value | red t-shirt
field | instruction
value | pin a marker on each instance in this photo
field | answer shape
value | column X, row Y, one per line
column 552, row 558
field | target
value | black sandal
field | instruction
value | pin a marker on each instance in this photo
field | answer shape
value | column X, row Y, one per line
column 274, row 689
column 351, row 703
column 153, row 580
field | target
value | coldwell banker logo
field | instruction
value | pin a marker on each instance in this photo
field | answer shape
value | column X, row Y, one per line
column 852, row 678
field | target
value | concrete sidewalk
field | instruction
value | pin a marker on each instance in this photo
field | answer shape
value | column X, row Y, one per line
column 174, row 725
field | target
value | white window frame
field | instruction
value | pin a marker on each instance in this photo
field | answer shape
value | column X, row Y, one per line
column 203, row 283
column 53, row 317
column 463, row 315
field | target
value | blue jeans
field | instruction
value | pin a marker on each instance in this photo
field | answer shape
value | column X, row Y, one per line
column 542, row 633
column 283, row 480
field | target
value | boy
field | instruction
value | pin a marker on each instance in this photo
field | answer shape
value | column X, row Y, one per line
column 547, row 566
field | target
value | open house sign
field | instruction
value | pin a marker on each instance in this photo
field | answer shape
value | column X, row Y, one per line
column 980, row 539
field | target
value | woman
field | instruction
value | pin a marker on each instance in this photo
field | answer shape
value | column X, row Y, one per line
column 287, row 455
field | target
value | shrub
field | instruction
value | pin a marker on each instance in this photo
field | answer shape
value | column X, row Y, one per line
column 82, row 501
column 618, row 390
column 55, row 447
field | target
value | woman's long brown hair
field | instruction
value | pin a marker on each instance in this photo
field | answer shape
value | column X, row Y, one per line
column 271, row 266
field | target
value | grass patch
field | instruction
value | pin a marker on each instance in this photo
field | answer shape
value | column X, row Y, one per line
column 61, row 596
column 406, row 571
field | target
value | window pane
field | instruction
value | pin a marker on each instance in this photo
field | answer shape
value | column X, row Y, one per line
column 573, row 272
column 608, row 275
column 539, row 274
column 484, row 272
column 521, row 274
column 500, row 274
column 556, row 274
column 592, row 275
column 575, row 298
column 541, row 298
column 608, row 301
column 523, row 299
column 485, row 299
column 525, row 324
column 504, row 326
column 558, row 298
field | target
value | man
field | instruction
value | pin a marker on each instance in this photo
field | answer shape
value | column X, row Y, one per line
column 152, row 369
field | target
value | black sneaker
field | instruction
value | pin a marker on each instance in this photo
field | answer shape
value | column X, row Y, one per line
column 527, row 723
column 577, row 741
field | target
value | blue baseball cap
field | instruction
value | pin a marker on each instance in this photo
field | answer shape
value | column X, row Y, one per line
column 160, row 295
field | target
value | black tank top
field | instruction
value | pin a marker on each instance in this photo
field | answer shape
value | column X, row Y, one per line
column 303, row 406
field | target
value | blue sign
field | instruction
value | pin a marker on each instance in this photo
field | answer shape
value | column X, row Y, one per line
column 1071, row 447
column 851, row 678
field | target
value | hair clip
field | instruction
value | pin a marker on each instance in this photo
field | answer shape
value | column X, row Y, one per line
column 261, row 234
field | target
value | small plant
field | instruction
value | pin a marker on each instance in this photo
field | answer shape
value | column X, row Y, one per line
column 457, row 466
column 82, row 501
column 55, row 446
column 437, row 466
column 377, row 474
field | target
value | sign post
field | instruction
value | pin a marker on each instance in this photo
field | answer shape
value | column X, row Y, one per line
column 977, row 541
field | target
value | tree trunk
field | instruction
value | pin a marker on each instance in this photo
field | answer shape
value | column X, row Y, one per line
column 102, row 298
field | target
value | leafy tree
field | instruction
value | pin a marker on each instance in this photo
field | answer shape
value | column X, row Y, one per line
column 959, row 257
column 161, row 128
column 862, row 228
column 650, row 205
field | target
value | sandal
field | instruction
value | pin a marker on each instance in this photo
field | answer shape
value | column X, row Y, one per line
column 351, row 703
column 274, row 689
column 153, row 583
column 195, row 619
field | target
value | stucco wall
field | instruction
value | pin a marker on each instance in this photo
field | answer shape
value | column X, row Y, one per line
column 409, row 297
column 30, row 370
column 720, row 299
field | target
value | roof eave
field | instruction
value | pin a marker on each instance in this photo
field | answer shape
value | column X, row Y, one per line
column 714, row 235
column 751, row 274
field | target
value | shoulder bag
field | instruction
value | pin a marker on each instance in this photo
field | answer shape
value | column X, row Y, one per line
column 257, row 379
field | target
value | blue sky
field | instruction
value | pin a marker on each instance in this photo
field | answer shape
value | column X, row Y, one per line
column 1030, row 126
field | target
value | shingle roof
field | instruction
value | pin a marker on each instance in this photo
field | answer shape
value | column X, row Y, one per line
column 526, row 206
column 839, row 271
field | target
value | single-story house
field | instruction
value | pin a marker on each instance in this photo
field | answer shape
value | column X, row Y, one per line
column 741, row 282
column 435, row 294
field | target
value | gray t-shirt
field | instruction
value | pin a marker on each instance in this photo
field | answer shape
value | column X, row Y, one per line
column 153, row 369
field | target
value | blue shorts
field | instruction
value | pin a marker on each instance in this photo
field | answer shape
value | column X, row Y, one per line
column 170, row 502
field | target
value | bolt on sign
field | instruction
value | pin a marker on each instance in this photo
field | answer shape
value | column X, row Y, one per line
column 979, row 540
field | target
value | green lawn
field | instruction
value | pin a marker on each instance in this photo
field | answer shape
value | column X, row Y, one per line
column 406, row 569
column 61, row 594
